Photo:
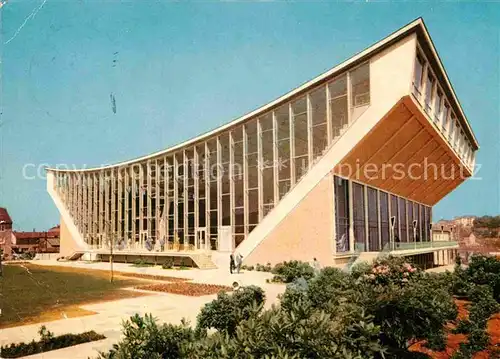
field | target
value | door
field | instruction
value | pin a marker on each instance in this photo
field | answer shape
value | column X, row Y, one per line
column 201, row 239
column 143, row 237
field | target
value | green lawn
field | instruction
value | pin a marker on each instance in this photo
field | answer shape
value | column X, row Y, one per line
column 32, row 293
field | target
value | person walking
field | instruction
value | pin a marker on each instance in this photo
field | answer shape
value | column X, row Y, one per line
column 231, row 263
column 239, row 261
column 316, row 266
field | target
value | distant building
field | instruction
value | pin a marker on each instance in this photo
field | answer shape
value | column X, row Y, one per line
column 13, row 242
column 467, row 221
column 442, row 231
column 39, row 242
column 6, row 237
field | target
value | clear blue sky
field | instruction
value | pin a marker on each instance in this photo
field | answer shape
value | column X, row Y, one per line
column 184, row 68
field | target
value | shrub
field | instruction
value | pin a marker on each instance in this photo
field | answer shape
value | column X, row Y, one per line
column 48, row 342
column 287, row 272
column 304, row 332
column 485, row 270
column 143, row 338
column 403, row 311
column 330, row 284
column 436, row 341
column 250, row 268
column 295, row 293
column 464, row 326
column 478, row 340
column 227, row 311
column 141, row 263
column 462, row 353
column 169, row 263
column 483, row 307
column 391, row 270
column 441, row 280
column 415, row 311
column 183, row 263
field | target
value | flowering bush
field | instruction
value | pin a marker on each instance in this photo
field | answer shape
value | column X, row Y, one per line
column 391, row 271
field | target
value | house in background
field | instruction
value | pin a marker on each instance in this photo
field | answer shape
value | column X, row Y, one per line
column 315, row 173
column 14, row 243
column 466, row 221
column 442, row 231
column 6, row 237
column 37, row 242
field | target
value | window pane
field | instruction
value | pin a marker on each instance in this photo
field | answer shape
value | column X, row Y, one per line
column 372, row 220
column 384, row 218
column 360, row 90
column 402, row 220
column 318, row 112
column 320, row 139
column 359, row 216
column 437, row 106
column 299, row 111
column 394, row 216
column 452, row 129
column 318, row 106
column 409, row 208
column 338, row 104
column 419, row 68
column 429, row 90
column 283, row 160
column 445, row 117
column 342, row 214
column 301, row 166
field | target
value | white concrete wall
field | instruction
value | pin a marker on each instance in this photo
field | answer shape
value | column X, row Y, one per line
column 71, row 239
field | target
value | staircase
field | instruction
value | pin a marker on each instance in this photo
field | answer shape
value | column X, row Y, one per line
column 203, row 261
column 75, row 256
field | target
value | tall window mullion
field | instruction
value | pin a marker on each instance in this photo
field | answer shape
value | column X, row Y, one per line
column 359, row 217
column 373, row 209
column 341, row 189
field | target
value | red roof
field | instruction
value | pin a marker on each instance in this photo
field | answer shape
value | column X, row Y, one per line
column 54, row 230
column 4, row 216
column 28, row 235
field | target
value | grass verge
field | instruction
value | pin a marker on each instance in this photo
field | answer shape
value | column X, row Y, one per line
column 30, row 292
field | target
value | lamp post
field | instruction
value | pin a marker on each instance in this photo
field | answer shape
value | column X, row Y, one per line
column 431, row 237
column 110, row 235
column 393, row 223
column 414, row 223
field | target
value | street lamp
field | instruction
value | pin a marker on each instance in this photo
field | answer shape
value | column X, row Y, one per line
column 415, row 232
column 393, row 223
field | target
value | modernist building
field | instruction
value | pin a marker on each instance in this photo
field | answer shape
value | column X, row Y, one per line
column 346, row 165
